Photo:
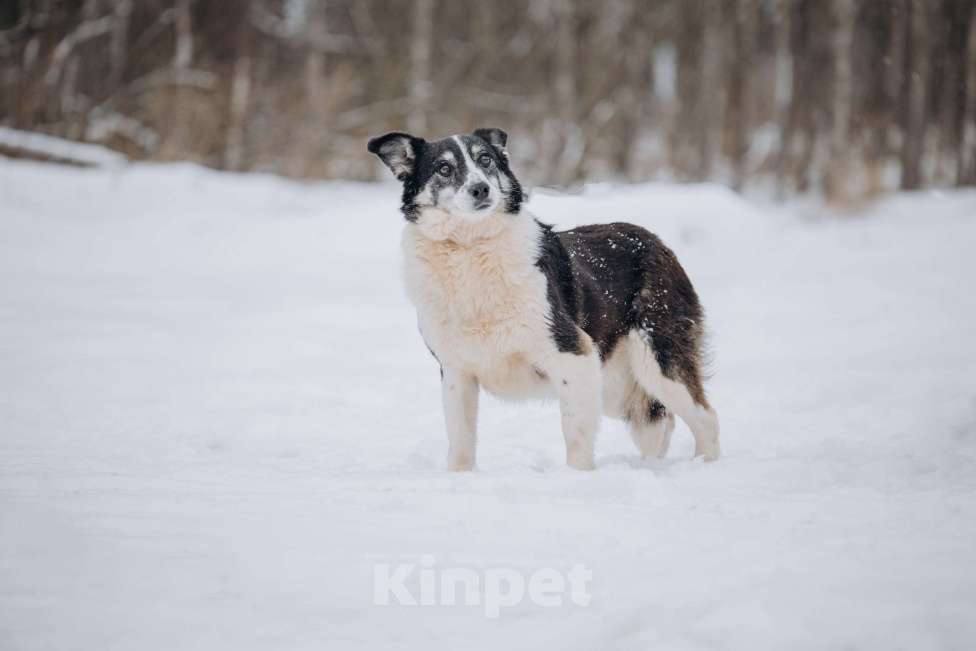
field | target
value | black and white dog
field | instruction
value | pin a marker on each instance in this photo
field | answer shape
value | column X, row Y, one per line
column 603, row 317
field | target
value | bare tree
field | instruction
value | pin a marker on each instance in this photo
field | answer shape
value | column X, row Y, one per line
column 852, row 88
column 964, row 101
column 310, row 22
column 782, row 91
column 419, row 86
column 709, row 99
column 916, row 76
column 636, row 88
column 837, row 175
column 684, row 136
column 240, row 91
column 122, row 12
column 569, row 147
column 809, row 96
column 183, row 52
column 967, row 161
column 738, row 125
column 87, row 29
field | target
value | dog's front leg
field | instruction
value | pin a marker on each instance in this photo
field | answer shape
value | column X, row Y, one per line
column 579, row 385
column 459, row 393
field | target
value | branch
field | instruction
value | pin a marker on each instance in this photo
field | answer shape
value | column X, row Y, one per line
column 200, row 79
column 8, row 35
column 165, row 18
column 86, row 31
column 267, row 23
column 362, row 24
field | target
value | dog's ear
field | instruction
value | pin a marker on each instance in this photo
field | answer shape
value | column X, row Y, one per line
column 398, row 150
column 494, row 137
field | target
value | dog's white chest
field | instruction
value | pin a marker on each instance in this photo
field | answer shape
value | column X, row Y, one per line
column 481, row 304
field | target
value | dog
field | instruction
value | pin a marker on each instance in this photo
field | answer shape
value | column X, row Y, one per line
column 601, row 317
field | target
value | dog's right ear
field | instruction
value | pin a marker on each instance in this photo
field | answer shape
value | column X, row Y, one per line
column 494, row 137
column 398, row 150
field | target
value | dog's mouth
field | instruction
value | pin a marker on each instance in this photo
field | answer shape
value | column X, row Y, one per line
column 482, row 204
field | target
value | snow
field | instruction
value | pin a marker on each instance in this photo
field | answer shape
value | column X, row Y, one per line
column 216, row 416
column 61, row 149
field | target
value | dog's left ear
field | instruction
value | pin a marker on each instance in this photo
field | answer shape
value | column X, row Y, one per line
column 494, row 137
column 398, row 150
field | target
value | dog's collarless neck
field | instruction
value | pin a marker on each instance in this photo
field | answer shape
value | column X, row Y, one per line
column 439, row 226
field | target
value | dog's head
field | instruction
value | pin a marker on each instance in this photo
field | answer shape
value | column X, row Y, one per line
column 466, row 176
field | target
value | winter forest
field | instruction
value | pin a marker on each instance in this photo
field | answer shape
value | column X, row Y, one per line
column 847, row 98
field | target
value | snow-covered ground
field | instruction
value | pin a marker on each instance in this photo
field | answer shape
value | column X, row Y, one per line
column 216, row 416
column 39, row 144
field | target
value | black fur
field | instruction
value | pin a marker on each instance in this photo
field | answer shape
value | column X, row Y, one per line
column 609, row 279
column 561, row 290
column 432, row 353
column 656, row 411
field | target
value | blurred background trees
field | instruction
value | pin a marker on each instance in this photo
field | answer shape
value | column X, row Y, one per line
column 845, row 97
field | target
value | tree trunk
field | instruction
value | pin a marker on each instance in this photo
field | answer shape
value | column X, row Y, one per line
column 309, row 140
column 738, row 116
column 916, row 73
column 419, row 85
column 709, row 89
column 683, row 136
column 120, row 41
column 783, row 92
column 568, row 157
column 181, row 136
column 637, row 62
column 240, row 91
column 183, row 53
column 837, row 175
column 966, row 155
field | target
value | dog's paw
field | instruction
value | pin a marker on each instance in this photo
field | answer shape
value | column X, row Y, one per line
column 710, row 452
column 580, row 461
column 579, row 454
column 460, row 464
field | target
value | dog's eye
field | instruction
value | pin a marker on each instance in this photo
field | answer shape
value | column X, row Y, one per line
column 484, row 160
column 444, row 169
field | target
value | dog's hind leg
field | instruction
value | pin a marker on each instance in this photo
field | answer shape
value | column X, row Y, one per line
column 680, row 392
column 652, row 430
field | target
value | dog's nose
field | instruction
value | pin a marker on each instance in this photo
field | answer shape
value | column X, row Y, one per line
column 479, row 191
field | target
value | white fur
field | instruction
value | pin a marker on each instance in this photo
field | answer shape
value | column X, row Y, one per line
column 620, row 388
column 459, row 394
column 482, row 308
column 653, row 439
column 703, row 421
column 481, row 302
column 622, row 394
column 577, row 381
